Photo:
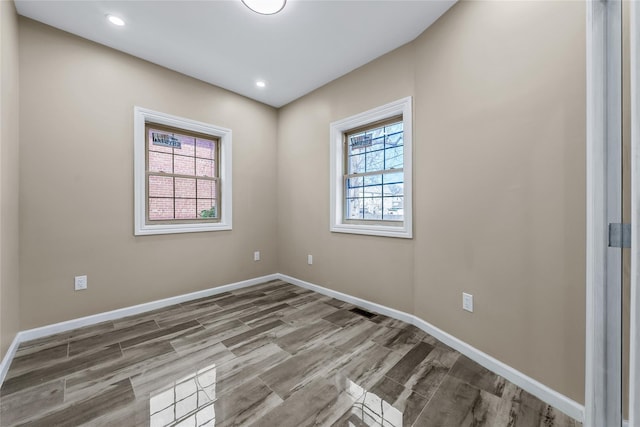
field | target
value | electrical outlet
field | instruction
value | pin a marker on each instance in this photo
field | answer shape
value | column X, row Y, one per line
column 80, row 283
column 309, row 259
column 256, row 256
column 467, row 302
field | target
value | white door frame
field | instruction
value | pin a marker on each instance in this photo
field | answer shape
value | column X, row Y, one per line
column 634, row 342
column 603, row 376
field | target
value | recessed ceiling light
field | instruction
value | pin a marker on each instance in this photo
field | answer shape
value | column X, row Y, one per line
column 265, row 7
column 115, row 20
column 261, row 83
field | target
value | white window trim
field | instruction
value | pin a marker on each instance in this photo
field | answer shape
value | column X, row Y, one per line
column 337, row 130
column 141, row 116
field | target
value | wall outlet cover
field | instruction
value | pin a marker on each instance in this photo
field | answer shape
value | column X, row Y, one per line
column 467, row 302
column 80, row 283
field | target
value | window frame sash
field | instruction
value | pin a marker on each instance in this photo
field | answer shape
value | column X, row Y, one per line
column 216, row 159
column 398, row 119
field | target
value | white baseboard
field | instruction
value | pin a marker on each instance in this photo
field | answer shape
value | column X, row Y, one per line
column 541, row 391
column 56, row 328
column 8, row 357
column 44, row 331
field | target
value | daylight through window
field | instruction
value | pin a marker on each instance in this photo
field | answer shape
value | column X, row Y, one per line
column 181, row 175
column 374, row 178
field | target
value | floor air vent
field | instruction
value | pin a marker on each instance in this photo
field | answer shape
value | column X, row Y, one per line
column 362, row 312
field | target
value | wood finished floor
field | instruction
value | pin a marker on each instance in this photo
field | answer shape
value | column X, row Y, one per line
column 269, row 355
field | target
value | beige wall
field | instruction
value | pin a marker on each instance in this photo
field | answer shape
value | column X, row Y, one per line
column 76, row 171
column 499, row 179
column 9, row 267
column 375, row 268
column 500, row 105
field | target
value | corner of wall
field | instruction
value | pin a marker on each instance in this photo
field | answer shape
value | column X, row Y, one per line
column 9, row 175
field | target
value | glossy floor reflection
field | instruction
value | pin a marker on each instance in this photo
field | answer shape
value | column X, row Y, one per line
column 269, row 355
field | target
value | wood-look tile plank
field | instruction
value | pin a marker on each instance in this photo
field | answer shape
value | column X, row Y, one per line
column 248, row 403
column 266, row 312
column 241, row 338
column 80, row 412
column 344, row 318
column 456, row 404
column 92, row 342
column 218, row 317
column 200, row 339
column 135, row 359
column 163, row 312
column 239, row 370
column 62, row 369
column 399, row 338
column 163, row 334
column 470, row 372
column 403, row 370
column 524, row 410
column 191, row 313
column 134, row 414
column 351, row 338
column 366, row 366
column 158, row 377
column 294, row 373
column 430, row 373
column 38, row 359
column 57, row 339
column 232, row 300
column 30, row 402
column 308, row 313
column 306, row 336
column 260, row 340
column 409, row 403
column 319, row 403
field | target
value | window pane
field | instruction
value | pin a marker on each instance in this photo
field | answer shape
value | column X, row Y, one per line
column 160, row 162
column 354, row 209
column 373, row 191
column 377, row 140
column 395, row 140
column 160, row 186
column 354, row 182
column 205, row 148
column 373, row 179
column 187, row 145
column 391, row 190
column 357, row 192
column 394, row 208
column 160, row 208
column 204, row 168
column 206, row 189
column 183, row 165
column 394, row 129
column 207, row 208
column 154, row 147
column 373, row 208
column 394, row 157
column 393, row 178
column 356, row 164
column 375, row 161
column 185, row 208
column 186, row 187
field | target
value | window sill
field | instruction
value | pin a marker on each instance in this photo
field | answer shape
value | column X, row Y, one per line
column 146, row 230
column 374, row 230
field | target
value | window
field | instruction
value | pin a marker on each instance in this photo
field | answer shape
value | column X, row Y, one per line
column 183, row 175
column 371, row 172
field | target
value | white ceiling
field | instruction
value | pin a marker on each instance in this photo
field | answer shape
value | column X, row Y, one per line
column 308, row 44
